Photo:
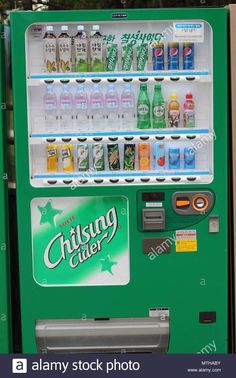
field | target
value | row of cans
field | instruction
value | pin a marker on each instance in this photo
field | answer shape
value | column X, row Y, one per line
column 112, row 151
column 173, row 56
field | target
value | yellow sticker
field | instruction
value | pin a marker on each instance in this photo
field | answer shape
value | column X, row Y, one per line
column 186, row 245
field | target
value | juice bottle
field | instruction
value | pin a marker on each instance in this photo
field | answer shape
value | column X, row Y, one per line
column 81, row 50
column 50, row 50
column 144, row 156
column 143, row 108
column 158, row 108
column 52, row 157
column 96, row 50
column 189, row 111
column 64, row 45
column 173, row 111
column 67, row 157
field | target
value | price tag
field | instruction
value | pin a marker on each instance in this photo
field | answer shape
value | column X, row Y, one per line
column 188, row 32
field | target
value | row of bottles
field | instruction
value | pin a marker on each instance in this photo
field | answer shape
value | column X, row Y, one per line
column 87, row 52
column 80, row 112
column 115, row 157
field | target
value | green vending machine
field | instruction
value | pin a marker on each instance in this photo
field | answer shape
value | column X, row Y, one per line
column 121, row 154
column 5, row 327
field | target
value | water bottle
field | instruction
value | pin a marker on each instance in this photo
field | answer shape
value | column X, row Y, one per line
column 81, row 108
column 50, row 110
column 127, row 107
column 97, row 108
column 66, row 108
column 112, row 107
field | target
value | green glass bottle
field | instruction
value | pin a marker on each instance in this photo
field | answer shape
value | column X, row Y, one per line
column 158, row 108
column 143, row 108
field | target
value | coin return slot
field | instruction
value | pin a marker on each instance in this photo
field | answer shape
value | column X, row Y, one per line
column 153, row 219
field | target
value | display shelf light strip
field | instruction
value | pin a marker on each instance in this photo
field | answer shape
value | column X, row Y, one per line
column 87, row 175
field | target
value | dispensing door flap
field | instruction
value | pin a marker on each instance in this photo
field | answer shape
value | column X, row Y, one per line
column 103, row 336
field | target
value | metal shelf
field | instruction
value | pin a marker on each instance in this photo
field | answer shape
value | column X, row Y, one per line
column 149, row 135
column 135, row 76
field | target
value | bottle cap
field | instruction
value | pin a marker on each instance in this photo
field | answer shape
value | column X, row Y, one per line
column 49, row 28
column 157, row 86
column 65, row 87
column 96, row 27
column 143, row 86
column 127, row 86
column 173, row 96
column 111, row 86
column 80, row 87
column 49, row 87
column 80, row 27
column 64, row 28
column 189, row 96
column 95, row 87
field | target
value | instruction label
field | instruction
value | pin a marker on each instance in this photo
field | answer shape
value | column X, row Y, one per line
column 186, row 241
column 188, row 32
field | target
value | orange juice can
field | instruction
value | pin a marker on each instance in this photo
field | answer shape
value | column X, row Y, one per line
column 52, row 157
column 144, row 156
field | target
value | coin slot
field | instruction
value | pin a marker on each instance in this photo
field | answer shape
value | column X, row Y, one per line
column 200, row 202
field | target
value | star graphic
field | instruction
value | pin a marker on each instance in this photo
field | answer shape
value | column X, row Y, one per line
column 48, row 213
column 107, row 264
column 72, row 231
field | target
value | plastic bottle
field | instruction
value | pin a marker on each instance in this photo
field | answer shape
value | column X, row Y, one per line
column 158, row 108
column 81, row 50
column 189, row 111
column 173, row 111
column 50, row 50
column 127, row 107
column 50, row 110
column 97, row 108
column 112, row 105
column 66, row 108
column 143, row 108
column 81, row 108
column 96, row 50
column 64, row 46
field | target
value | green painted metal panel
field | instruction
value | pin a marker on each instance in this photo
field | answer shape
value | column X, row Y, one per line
column 186, row 283
column 5, row 327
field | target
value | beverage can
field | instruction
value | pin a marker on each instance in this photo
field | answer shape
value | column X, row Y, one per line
column 158, row 56
column 188, row 56
column 52, row 157
column 159, row 155
column 83, row 157
column 129, row 156
column 189, row 158
column 173, row 56
column 127, row 57
column 174, row 158
column 144, row 156
column 67, row 157
column 142, row 57
column 98, row 157
column 113, row 157
column 112, row 57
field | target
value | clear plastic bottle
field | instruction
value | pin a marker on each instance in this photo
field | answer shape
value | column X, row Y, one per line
column 189, row 111
column 81, row 108
column 81, row 50
column 64, row 47
column 50, row 50
column 97, row 108
column 50, row 110
column 112, row 104
column 96, row 50
column 66, row 109
column 127, row 107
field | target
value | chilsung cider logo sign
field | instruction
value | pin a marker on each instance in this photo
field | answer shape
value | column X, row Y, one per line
column 80, row 241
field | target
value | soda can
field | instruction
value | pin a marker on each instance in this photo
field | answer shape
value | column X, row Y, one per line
column 83, row 157
column 173, row 56
column 67, row 157
column 159, row 155
column 127, row 57
column 158, row 56
column 98, row 157
column 189, row 158
column 129, row 157
column 188, row 56
column 174, row 158
column 52, row 157
column 144, row 156
column 113, row 157
column 112, row 57
column 142, row 57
